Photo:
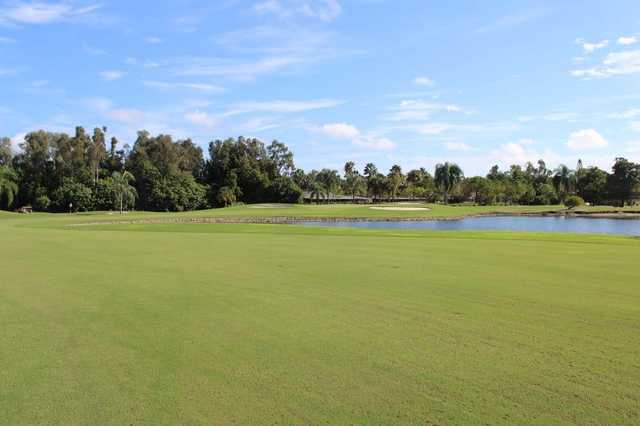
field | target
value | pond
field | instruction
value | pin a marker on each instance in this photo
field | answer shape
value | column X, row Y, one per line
column 506, row 223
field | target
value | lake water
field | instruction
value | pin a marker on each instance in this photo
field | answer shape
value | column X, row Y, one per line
column 506, row 223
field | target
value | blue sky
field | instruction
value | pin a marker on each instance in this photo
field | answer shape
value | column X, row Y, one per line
column 409, row 82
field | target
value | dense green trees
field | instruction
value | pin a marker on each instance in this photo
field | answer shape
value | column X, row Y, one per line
column 60, row 172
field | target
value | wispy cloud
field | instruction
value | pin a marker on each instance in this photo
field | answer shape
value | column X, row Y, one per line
column 127, row 116
column 419, row 110
column 281, row 106
column 202, row 119
column 35, row 12
column 197, row 87
column 237, row 69
column 153, row 40
column 457, row 146
column 592, row 47
column 617, row 63
column 325, row 10
column 423, row 81
column 513, row 20
column 7, row 40
column 551, row 116
column 111, row 75
column 630, row 113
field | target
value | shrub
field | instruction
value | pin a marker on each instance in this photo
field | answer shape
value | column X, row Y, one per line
column 573, row 201
column 42, row 203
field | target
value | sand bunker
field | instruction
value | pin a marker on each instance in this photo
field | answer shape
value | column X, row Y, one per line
column 401, row 209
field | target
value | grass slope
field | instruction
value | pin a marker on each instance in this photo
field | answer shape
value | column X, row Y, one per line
column 167, row 324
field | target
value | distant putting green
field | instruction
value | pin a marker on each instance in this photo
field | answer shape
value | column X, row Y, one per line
column 178, row 323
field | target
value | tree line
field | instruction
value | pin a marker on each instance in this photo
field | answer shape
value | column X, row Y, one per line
column 59, row 172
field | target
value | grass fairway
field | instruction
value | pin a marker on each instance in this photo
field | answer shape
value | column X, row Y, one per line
column 219, row 324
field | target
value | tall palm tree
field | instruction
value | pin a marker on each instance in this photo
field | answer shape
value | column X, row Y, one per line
column 124, row 192
column 317, row 191
column 446, row 177
column 8, row 185
column 563, row 181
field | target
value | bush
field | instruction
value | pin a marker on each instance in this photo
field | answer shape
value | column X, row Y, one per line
column 72, row 192
column 42, row 203
column 284, row 190
column 573, row 201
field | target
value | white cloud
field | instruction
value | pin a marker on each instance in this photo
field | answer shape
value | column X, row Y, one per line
column 344, row 131
column 341, row 131
column 198, row 87
column 513, row 20
column 100, row 104
column 457, row 146
column 127, row 116
column 415, row 110
column 36, row 12
column 630, row 113
column 626, row 41
column 586, row 139
column 202, row 119
column 325, row 10
column 520, row 153
column 215, row 67
column 618, row 63
column 111, row 75
column 8, row 71
column 635, row 126
column 592, row 47
column 551, row 116
column 7, row 40
column 282, row 106
column 423, row 81
column 153, row 40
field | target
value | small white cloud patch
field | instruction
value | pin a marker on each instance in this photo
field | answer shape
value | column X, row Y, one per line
column 626, row 41
column 586, row 139
column 423, row 81
column 111, row 75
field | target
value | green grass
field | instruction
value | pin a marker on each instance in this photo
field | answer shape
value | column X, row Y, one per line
column 219, row 324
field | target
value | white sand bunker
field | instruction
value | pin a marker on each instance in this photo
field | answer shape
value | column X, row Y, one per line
column 269, row 206
column 401, row 209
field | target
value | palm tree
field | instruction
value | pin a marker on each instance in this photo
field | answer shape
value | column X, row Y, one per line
column 124, row 192
column 447, row 176
column 317, row 191
column 395, row 179
column 8, row 185
column 329, row 180
column 562, row 181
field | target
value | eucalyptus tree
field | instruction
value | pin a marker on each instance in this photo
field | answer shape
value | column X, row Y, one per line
column 96, row 153
column 6, row 153
column 446, row 177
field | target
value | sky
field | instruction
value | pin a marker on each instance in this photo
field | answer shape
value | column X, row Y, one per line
column 409, row 82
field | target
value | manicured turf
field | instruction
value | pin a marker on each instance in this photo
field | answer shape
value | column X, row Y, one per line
column 219, row 324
